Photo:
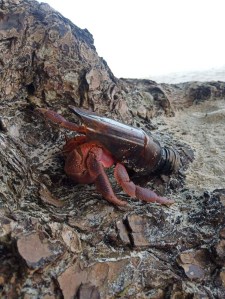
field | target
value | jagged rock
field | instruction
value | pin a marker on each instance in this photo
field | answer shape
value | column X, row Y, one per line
column 88, row 291
column 222, row 277
column 71, row 239
column 100, row 276
column 132, row 231
column 220, row 251
column 70, row 281
column 222, row 233
column 48, row 198
column 37, row 251
column 6, row 227
column 142, row 112
column 157, row 294
column 122, row 232
column 157, row 274
column 138, row 225
column 46, row 61
column 196, row 264
column 220, row 193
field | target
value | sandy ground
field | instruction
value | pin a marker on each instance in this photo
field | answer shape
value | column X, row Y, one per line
column 202, row 126
column 214, row 74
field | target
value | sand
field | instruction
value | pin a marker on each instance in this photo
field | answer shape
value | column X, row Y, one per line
column 202, row 126
column 213, row 74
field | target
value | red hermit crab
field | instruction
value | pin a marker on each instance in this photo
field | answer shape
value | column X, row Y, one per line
column 105, row 142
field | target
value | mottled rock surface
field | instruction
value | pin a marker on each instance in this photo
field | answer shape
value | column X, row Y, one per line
column 62, row 240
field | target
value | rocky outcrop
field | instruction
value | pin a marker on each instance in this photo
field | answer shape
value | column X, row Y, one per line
column 61, row 240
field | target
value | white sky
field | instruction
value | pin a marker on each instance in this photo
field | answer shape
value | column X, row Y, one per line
column 142, row 38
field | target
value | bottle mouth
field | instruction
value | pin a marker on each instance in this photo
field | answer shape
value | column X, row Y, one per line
column 169, row 161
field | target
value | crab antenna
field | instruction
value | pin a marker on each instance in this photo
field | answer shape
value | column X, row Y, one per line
column 60, row 120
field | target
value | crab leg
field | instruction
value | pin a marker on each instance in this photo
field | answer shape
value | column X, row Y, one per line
column 95, row 162
column 135, row 191
column 60, row 120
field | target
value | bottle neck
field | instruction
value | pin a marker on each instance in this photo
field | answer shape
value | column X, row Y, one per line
column 169, row 161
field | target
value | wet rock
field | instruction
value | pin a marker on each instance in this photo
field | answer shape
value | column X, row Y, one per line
column 196, row 264
column 38, row 251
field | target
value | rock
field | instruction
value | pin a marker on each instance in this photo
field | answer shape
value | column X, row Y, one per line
column 222, row 277
column 87, row 291
column 196, row 264
column 193, row 271
column 99, row 275
column 222, row 199
column 71, row 279
column 38, row 251
column 156, row 294
column 6, row 227
column 132, row 230
column 122, row 232
column 142, row 112
column 200, row 92
column 71, row 239
column 69, row 236
column 138, row 225
column 220, row 251
column 222, row 233
column 48, row 198
column 156, row 275
column 143, row 231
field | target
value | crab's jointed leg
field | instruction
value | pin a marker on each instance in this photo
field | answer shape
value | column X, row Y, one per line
column 60, row 120
column 135, row 191
column 95, row 162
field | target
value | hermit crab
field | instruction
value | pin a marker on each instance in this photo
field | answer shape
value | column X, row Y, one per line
column 102, row 143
